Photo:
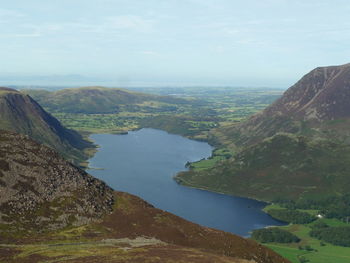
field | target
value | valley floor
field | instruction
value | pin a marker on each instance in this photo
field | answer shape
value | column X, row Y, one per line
column 310, row 249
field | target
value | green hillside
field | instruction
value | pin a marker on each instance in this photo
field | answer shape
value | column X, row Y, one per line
column 283, row 166
column 99, row 100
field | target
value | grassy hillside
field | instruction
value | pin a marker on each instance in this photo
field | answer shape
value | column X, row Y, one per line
column 284, row 165
column 100, row 100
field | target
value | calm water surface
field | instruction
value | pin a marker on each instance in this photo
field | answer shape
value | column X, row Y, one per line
column 143, row 163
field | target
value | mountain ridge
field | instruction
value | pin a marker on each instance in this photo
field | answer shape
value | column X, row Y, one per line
column 313, row 96
column 319, row 97
column 20, row 113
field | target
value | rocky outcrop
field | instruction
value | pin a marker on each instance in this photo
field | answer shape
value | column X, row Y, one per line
column 38, row 188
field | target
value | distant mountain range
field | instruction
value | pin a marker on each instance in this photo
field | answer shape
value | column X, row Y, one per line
column 299, row 147
column 59, row 79
column 20, row 113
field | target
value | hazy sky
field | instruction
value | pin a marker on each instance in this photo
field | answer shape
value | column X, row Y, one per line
column 175, row 42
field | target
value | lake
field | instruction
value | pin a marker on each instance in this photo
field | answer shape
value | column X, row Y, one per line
column 144, row 162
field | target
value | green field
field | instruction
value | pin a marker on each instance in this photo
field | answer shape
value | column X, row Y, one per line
column 310, row 249
column 217, row 156
column 321, row 252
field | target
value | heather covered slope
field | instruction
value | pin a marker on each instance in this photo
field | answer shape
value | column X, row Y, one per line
column 20, row 113
column 320, row 95
column 299, row 147
column 40, row 190
column 51, row 211
column 318, row 104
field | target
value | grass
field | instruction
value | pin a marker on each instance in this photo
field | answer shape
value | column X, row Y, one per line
column 60, row 252
column 320, row 252
column 290, row 253
column 205, row 164
column 217, row 156
column 333, row 222
column 277, row 206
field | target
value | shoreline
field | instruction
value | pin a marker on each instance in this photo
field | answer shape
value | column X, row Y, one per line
column 90, row 152
column 222, row 193
column 264, row 202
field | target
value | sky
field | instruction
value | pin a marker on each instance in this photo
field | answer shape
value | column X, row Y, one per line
column 255, row 43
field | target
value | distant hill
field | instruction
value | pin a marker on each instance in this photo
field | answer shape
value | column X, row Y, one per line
column 20, row 113
column 299, row 147
column 50, row 210
column 92, row 100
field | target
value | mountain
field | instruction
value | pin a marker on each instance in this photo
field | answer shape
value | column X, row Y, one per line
column 95, row 100
column 318, row 101
column 20, row 113
column 321, row 95
column 298, row 147
column 52, row 211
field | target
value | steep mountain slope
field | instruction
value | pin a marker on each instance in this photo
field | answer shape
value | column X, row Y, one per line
column 92, row 100
column 316, row 101
column 53, row 211
column 320, row 95
column 20, row 113
column 297, row 147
